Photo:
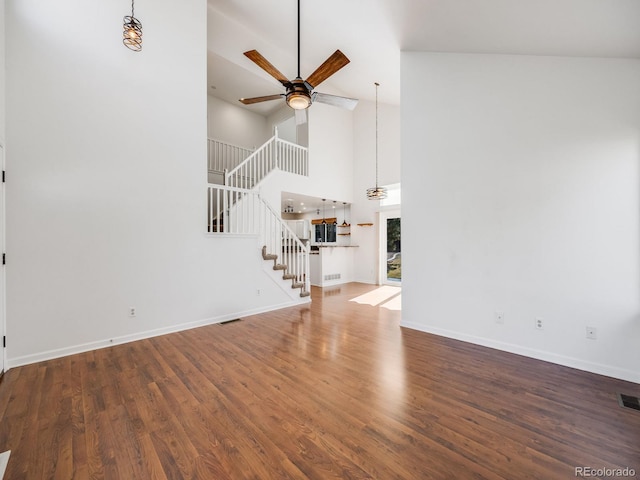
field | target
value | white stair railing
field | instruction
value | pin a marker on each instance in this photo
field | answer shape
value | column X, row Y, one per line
column 275, row 153
column 225, row 156
column 239, row 211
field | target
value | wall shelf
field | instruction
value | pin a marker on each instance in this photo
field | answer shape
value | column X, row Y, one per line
column 365, row 224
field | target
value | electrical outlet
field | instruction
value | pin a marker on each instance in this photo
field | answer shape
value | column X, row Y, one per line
column 132, row 311
column 592, row 333
column 258, row 292
column 499, row 317
column 539, row 324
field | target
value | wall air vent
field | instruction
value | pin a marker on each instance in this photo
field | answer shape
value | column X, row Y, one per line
column 628, row 401
column 230, row 321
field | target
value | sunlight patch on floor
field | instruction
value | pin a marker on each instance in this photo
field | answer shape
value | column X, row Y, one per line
column 377, row 296
column 394, row 304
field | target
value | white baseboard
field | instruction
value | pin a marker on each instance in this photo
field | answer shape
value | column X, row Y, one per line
column 4, row 461
column 86, row 347
column 592, row 367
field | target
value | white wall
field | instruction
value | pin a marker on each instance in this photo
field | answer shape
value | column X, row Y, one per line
column 330, row 152
column 363, row 209
column 283, row 119
column 236, row 125
column 106, row 207
column 520, row 194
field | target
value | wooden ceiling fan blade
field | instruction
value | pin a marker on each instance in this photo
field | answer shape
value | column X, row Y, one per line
column 330, row 66
column 336, row 101
column 266, row 98
column 264, row 64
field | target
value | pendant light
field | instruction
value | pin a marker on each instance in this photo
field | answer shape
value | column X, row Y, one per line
column 344, row 215
column 376, row 193
column 324, row 222
column 335, row 220
column 132, row 32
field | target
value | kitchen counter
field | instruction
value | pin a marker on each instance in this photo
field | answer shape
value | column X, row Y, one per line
column 331, row 264
column 315, row 249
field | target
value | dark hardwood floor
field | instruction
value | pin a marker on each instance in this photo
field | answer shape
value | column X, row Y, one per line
column 335, row 390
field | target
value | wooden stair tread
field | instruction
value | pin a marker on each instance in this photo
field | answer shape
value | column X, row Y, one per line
column 268, row 256
column 285, row 275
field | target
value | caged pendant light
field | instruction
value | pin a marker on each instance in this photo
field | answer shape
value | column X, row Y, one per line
column 132, row 32
column 376, row 193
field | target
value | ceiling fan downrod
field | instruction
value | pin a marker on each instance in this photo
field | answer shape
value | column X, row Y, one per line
column 299, row 39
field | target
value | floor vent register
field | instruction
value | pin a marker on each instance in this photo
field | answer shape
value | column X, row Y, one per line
column 629, row 401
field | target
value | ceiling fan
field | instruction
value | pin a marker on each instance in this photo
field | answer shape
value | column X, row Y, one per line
column 300, row 93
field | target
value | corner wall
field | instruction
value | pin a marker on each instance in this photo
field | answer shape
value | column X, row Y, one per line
column 106, row 209
column 521, row 187
column 238, row 126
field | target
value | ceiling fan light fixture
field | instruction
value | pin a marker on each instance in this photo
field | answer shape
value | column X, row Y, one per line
column 298, row 96
column 298, row 100
column 300, row 93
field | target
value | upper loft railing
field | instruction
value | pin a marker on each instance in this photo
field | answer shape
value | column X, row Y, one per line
column 275, row 153
column 225, row 156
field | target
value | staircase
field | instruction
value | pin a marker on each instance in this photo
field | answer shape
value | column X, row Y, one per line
column 237, row 208
column 295, row 281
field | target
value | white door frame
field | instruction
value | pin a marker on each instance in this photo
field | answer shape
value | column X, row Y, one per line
column 383, row 216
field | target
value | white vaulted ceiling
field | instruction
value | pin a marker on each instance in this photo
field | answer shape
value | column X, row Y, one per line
column 373, row 32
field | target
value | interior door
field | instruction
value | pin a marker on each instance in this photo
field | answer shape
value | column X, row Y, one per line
column 390, row 247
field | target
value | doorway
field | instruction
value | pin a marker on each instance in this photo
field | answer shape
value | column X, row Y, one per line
column 391, row 248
